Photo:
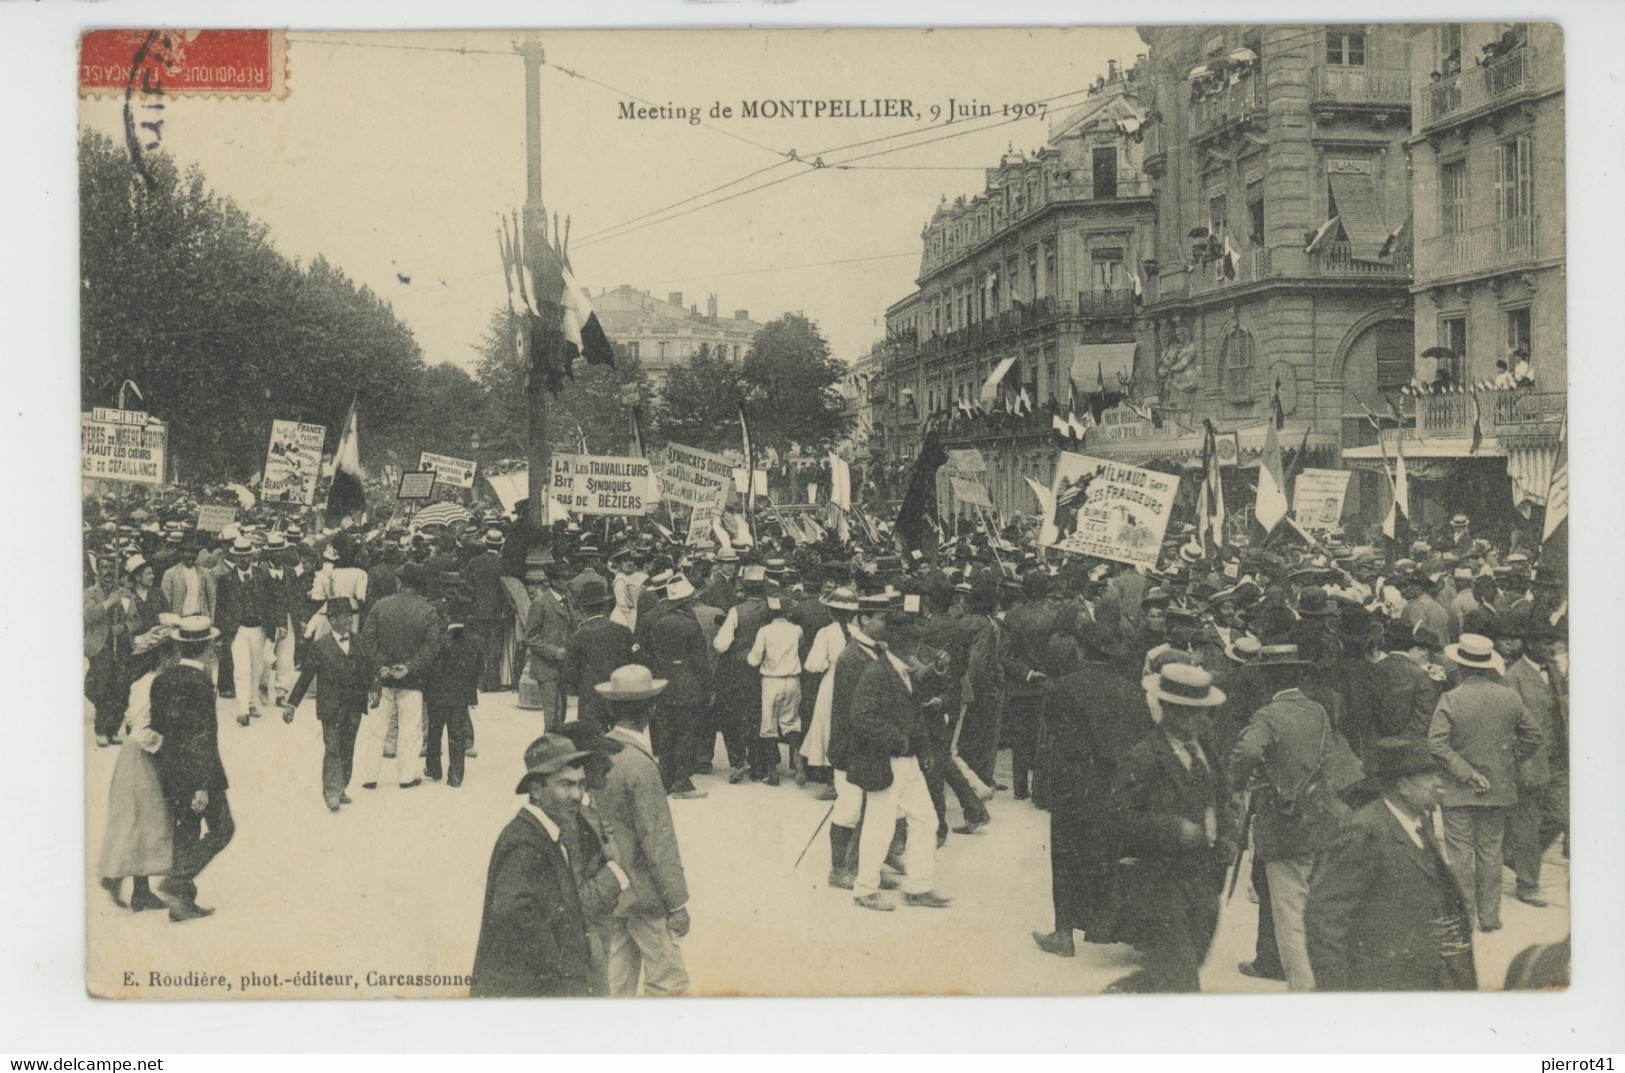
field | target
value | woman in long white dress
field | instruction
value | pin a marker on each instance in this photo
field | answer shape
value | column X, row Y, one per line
column 828, row 644
column 138, row 840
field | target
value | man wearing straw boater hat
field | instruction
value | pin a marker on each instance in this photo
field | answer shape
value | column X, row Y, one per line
column 189, row 769
column 335, row 658
column 1304, row 765
column 1480, row 731
column 1385, row 912
column 1167, row 816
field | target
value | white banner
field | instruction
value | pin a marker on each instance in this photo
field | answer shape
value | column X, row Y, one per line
column 1110, row 510
column 121, row 445
column 695, row 478
column 454, row 472
column 972, row 492
column 512, row 488
column 293, row 463
column 602, row 484
column 1317, row 498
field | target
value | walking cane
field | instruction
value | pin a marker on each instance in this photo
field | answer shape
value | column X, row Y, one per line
column 814, row 837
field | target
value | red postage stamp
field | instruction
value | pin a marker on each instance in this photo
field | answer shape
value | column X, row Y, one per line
column 215, row 63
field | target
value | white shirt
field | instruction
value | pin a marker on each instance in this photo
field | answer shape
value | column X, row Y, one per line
column 343, row 642
column 777, row 650
column 1412, row 825
column 548, row 825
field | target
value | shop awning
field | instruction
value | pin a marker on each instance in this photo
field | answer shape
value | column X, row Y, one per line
column 990, row 389
column 1361, row 210
column 1111, row 362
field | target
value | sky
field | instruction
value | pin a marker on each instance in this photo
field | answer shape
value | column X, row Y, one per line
column 396, row 154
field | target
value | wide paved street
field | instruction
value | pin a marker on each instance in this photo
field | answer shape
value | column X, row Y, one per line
column 392, row 885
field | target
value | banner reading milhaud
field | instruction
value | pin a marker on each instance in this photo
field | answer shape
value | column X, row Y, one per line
column 1111, row 510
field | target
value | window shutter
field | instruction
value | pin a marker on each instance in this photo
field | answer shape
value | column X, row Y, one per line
column 1499, row 171
column 1526, row 177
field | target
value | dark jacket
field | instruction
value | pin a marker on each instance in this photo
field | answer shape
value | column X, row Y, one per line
column 1383, row 915
column 676, row 649
column 598, row 647
column 183, row 712
column 1305, row 764
column 483, row 576
column 345, row 677
column 402, row 629
column 1157, row 879
column 454, row 676
column 885, row 722
column 1029, row 627
column 848, row 670
column 1403, row 697
column 533, row 933
column 238, row 602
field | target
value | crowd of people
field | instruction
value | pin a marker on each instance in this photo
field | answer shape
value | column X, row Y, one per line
column 1384, row 734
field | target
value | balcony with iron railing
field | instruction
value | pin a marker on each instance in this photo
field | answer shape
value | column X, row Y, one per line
column 1251, row 265
column 1496, row 247
column 1337, row 259
column 1231, row 105
column 1497, row 412
column 1382, row 86
column 1501, row 81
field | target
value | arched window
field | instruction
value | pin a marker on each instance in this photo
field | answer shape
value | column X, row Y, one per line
column 1236, row 366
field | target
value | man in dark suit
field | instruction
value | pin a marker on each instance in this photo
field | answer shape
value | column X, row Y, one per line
column 1030, row 625
column 1172, row 834
column 336, row 659
column 488, row 619
column 548, row 629
column 1542, row 809
column 1093, row 717
column 739, row 685
column 246, row 605
column 676, row 650
column 190, row 773
column 652, row 915
column 548, row 873
column 598, row 646
column 400, row 641
column 1385, row 912
column 888, row 733
column 847, row 812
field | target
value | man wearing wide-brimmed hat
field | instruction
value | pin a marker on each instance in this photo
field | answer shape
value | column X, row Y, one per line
column 1303, row 765
column 1384, row 911
column 1166, row 812
column 1480, row 731
column 675, row 648
column 597, row 647
column 549, row 875
column 652, row 915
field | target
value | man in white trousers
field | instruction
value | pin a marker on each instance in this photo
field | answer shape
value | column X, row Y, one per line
column 244, row 601
column 889, row 733
column 400, row 640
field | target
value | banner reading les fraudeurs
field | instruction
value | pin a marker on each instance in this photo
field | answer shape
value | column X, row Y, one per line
column 602, row 484
column 1111, row 511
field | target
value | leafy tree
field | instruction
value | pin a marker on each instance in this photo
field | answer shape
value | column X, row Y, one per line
column 699, row 402
column 183, row 293
column 792, row 377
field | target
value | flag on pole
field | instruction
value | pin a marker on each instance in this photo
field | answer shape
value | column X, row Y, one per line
column 1557, row 491
column 581, row 440
column 581, row 327
column 1320, row 235
column 750, row 462
column 345, row 495
column 1271, row 506
column 1210, row 499
column 1139, row 287
column 1397, row 526
column 920, row 500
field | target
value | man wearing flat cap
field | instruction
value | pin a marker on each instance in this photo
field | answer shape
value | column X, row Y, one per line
column 549, row 875
column 1385, row 912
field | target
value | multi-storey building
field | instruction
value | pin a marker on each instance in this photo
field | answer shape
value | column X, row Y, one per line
column 1039, row 267
column 1282, row 262
column 664, row 334
column 1490, row 287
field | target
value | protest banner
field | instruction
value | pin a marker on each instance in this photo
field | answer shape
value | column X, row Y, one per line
column 1110, row 510
column 602, row 484
column 695, row 478
column 512, row 488
column 293, row 463
column 122, row 445
column 417, row 485
column 452, row 472
column 1317, row 498
column 970, row 491
column 966, row 463
column 211, row 517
